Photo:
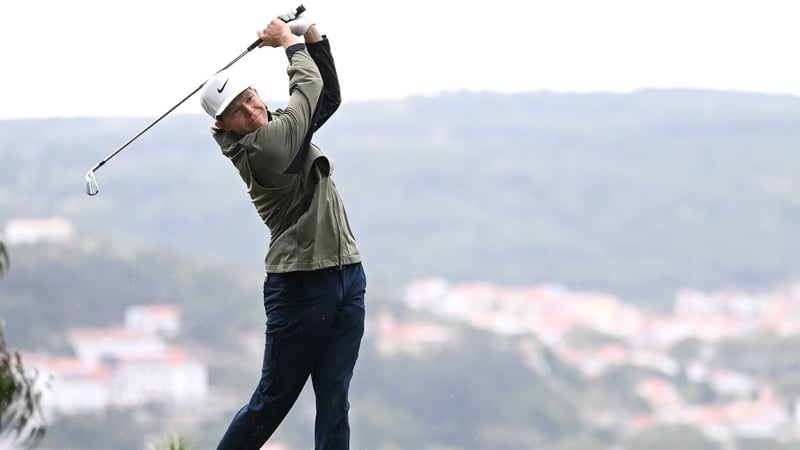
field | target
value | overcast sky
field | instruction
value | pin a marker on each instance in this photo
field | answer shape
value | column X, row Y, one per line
column 139, row 58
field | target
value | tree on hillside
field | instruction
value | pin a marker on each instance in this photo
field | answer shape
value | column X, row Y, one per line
column 20, row 411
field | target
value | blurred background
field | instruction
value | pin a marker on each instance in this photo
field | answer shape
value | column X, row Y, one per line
column 577, row 221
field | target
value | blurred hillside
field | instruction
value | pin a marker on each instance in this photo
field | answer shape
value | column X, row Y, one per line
column 634, row 194
column 464, row 366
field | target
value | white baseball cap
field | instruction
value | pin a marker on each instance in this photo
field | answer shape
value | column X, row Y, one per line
column 221, row 89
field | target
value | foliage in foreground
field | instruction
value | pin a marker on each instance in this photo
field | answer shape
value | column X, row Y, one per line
column 172, row 443
column 4, row 262
column 20, row 411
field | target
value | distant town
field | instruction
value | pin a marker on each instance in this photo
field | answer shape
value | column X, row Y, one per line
column 121, row 367
column 549, row 312
column 133, row 364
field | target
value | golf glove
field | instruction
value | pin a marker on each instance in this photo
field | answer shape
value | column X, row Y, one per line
column 298, row 25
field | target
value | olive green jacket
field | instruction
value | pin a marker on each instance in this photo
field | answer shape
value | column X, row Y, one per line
column 289, row 179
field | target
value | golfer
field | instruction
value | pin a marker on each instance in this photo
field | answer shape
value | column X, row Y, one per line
column 315, row 285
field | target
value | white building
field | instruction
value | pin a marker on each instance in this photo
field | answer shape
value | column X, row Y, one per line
column 162, row 319
column 170, row 379
column 68, row 385
column 118, row 368
column 95, row 345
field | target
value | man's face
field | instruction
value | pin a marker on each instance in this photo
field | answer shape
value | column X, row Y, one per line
column 246, row 113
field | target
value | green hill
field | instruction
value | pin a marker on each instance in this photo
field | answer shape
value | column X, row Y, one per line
column 90, row 283
column 636, row 194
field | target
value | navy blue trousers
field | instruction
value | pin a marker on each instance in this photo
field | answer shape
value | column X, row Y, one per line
column 315, row 322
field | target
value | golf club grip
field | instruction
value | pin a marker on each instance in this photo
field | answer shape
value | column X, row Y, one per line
column 300, row 9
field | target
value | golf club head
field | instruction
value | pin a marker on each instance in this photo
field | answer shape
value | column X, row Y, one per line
column 91, row 184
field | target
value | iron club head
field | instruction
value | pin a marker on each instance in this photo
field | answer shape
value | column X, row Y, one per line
column 91, row 183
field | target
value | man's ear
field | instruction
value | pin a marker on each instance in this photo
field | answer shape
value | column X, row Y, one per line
column 219, row 125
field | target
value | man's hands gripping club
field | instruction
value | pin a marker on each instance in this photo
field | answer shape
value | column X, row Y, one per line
column 277, row 34
column 298, row 24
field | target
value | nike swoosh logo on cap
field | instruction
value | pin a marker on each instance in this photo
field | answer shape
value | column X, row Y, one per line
column 221, row 88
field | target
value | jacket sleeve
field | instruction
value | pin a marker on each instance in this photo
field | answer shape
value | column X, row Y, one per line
column 331, row 98
column 273, row 148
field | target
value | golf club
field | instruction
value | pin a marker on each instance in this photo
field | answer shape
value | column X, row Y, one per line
column 91, row 182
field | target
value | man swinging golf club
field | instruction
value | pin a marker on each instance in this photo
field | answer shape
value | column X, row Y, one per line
column 315, row 284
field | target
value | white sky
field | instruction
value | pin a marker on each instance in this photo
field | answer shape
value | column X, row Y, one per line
column 139, row 58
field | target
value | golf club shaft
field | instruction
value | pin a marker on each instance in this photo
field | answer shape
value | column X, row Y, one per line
column 300, row 9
